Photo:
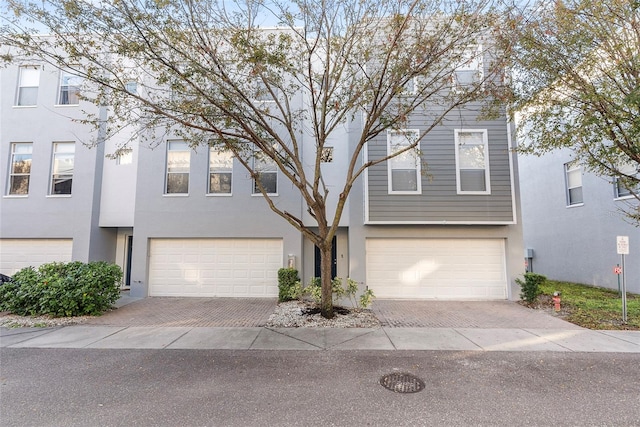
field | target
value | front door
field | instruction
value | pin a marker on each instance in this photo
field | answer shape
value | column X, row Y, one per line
column 334, row 259
column 127, row 264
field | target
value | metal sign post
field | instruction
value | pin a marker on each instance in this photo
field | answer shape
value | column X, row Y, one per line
column 622, row 243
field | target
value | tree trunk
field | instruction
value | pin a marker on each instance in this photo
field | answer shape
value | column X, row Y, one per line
column 326, row 304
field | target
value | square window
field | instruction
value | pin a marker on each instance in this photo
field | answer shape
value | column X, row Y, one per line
column 20, row 169
column 327, row 155
column 62, row 168
column 472, row 161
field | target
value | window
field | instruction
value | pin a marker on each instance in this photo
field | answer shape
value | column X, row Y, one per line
column 178, row 162
column 472, row 161
column 69, row 89
column 220, row 171
column 623, row 186
column 28, row 85
column 124, row 157
column 267, row 175
column 20, row 168
column 131, row 87
column 62, row 169
column 470, row 69
column 620, row 189
column 573, row 178
column 261, row 91
column 326, row 156
column 403, row 170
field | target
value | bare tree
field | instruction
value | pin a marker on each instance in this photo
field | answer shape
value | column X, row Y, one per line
column 263, row 78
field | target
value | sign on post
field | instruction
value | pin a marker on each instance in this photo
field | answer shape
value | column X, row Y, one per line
column 623, row 245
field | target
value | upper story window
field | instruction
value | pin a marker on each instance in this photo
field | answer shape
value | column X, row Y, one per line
column 69, row 93
column 29, row 81
column 20, row 169
column 469, row 71
column 620, row 190
column 472, row 161
column 62, row 167
column 220, row 171
column 124, row 157
column 132, row 87
column 178, row 165
column 573, row 181
column 403, row 170
column 326, row 156
column 267, row 171
column 623, row 186
column 262, row 92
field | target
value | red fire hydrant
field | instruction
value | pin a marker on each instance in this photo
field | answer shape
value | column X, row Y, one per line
column 556, row 300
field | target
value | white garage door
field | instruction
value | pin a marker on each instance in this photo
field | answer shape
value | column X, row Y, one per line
column 214, row 267
column 16, row 254
column 453, row 269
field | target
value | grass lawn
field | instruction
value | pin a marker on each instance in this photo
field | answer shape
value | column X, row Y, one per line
column 591, row 307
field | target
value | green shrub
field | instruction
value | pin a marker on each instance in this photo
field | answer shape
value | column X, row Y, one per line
column 62, row 289
column 289, row 286
column 314, row 290
column 530, row 287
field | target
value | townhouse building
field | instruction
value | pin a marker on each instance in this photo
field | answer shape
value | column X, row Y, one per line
column 572, row 219
column 189, row 222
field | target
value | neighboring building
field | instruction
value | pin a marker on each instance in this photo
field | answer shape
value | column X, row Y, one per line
column 571, row 220
column 187, row 223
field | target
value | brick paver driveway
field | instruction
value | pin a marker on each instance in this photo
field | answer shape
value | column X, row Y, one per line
column 254, row 312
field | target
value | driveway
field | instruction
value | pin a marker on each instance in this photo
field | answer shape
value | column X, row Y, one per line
column 254, row 312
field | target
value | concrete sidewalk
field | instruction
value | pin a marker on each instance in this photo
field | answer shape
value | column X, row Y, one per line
column 237, row 324
column 261, row 338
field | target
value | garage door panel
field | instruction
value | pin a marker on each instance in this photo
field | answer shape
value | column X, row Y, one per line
column 436, row 268
column 215, row 267
column 16, row 254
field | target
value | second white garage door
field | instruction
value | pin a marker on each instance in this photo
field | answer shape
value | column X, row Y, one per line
column 453, row 269
column 214, row 267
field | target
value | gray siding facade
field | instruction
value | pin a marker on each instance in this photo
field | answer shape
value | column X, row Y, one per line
column 439, row 202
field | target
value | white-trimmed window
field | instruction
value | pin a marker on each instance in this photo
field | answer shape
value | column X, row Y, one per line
column 28, row 83
column 469, row 71
column 69, row 93
column 20, row 171
column 472, row 161
column 178, row 166
column 403, row 170
column 62, row 168
column 132, row 87
column 620, row 190
column 621, row 185
column 220, row 171
column 267, row 171
column 124, row 157
column 573, row 181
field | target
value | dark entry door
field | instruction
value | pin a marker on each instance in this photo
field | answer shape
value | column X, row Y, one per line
column 334, row 260
column 127, row 268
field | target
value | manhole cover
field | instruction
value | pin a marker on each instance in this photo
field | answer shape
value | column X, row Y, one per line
column 402, row 383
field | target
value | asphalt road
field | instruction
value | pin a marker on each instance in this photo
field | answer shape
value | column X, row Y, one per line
column 67, row 387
